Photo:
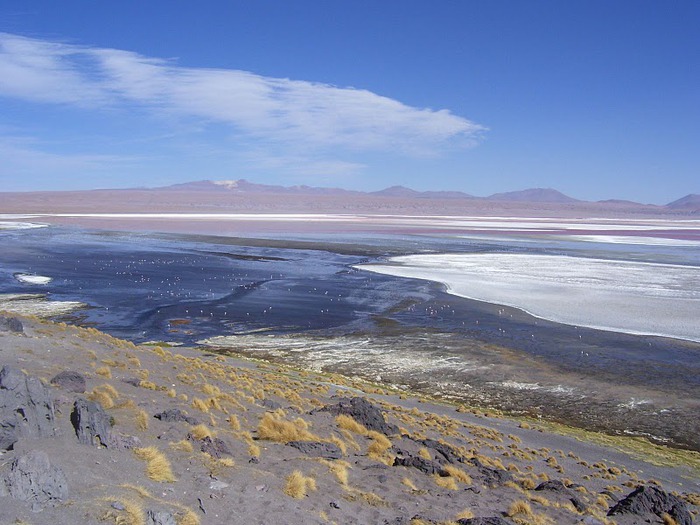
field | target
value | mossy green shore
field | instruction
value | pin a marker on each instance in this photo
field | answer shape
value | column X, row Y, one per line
column 234, row 454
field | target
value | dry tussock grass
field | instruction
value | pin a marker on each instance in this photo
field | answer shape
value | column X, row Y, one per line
column 458, row 474
column 409, row 483
column 133, row 513
column 273, row 428
column 447, row 482
column 378, row 448
column 157, row 465
column 104, row 371
column 183, row 446
column 348, row 423
column 297, row 485
column 142, row 420
column 201, row 431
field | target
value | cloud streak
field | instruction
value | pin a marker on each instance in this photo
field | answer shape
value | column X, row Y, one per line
column 280, row 112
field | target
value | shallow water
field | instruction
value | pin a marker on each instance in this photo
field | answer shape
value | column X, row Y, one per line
column 311, row 306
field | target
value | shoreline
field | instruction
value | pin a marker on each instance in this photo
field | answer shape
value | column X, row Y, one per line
column 443, row 268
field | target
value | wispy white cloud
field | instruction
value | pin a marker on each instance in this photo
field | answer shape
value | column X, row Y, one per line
column 307, row 116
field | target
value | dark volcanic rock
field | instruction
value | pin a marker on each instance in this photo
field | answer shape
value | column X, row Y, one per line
column 557, row 486
column 32, row 478
column 493, row 520
column 269, row 403
column 363, row 412
column 492, row 477
column 160, row 518
column 133, row 381
column 173, row 415
column 11, row 324
column 317, row 449
column 553, row 485
column 26, row 408
column 653, row 500
column 216, row 448
column 404, row 459
column 445, row 453
column 91, row 424
column 69, row 381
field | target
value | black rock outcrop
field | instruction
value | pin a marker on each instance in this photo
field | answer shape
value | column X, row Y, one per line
column 215, row 447
column 69, row 381
column 317, row 449
column 444, row 453
column 11, row 324
column 491, row 477
column 26, row 408
column 174, row 415
column 91, row 424
column 32, row 478
column 160, row 518
column 364, row 413
column 492, row 520
column 652, row 500
column 405, row 459
column 558, row 487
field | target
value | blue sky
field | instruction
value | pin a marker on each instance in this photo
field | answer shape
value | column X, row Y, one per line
column 598, row 99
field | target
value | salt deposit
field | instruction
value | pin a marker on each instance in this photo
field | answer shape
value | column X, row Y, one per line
column 32, row 279
column 622, row 296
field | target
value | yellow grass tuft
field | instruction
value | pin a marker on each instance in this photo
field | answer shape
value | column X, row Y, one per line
column 298, row 485
column 133, row 513
column 520, row 508
column 458, row 474
column 536, row 498
column 275, row 429
column 668, row 519
column 183, row 446
column 201, row 431
column 464, row 515
column 187, row 518
column 340, row 470
column 340, row 444
column 227, row 462
column 104, row 371
column 378, row 447
column 448, row 482
column 142, row 420
column 101, row 397
column 233, row 422
column 409, row 483
column 425, row 453
column 200, row 405
column 253, row 450
column 348, row 423
column 157, row 465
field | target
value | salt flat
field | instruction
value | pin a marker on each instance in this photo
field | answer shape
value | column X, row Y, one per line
column 623, row 296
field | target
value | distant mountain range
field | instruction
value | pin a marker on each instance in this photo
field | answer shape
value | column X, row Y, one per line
column 689, row 202
column 531, row 195
column 244, row 196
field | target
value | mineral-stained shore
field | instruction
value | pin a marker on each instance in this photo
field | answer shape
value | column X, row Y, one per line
column 96, row 430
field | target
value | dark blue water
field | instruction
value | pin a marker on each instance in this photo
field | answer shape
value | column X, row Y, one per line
column 143, row 288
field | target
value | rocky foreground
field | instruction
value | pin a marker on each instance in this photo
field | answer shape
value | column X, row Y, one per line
column 97, row 430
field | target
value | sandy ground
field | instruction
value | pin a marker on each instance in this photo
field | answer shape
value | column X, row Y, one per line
column 233, row 398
